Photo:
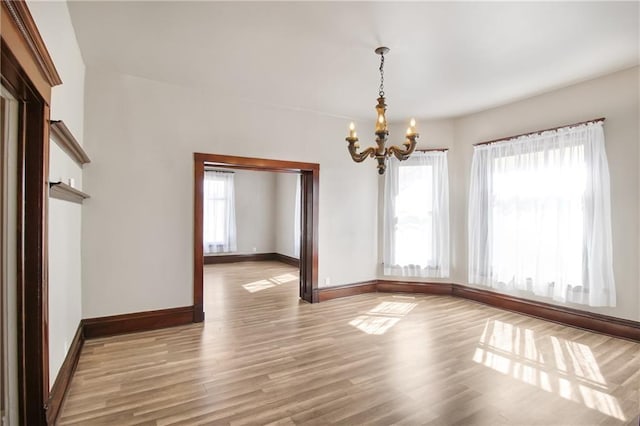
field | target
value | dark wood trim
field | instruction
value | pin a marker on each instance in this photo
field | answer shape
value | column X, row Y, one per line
column 32, row 254
column 33, row 271
column 595, row 120
column 22, row 19
column 63, row 380
column 286, row 259
column 61, row 134
column 138, row 321
column 328, row 293
column 251, row 163
column 28, row 73
column 213, row 259
column 62, row 191
column 561, row 314
column 605, row 324
column 310, row 194
column 383, row 286
column 310, row 213
column 233, row 258
column 389, row 286
column 198, row 247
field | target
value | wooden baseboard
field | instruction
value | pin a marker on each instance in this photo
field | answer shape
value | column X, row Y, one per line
column 287, row 259
column 329, row 293
column 139, row 321
column 233, row 258
column 63, row 379
column 383, row 286
column 605, row 324
column 253, row 257
column 198, row 313
column 387, row 286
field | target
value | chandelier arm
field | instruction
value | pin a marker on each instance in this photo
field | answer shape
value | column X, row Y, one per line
column 404, row 153
column 359, row 157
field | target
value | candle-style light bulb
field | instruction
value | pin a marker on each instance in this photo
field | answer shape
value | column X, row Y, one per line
column 352, row 130
column 412, row 127
column 381, row 121
column 381, row 124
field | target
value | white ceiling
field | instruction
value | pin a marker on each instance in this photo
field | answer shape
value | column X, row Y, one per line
column 446, row 59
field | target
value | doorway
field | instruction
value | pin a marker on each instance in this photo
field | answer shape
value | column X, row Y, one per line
column 29, row 381
column 309, row 192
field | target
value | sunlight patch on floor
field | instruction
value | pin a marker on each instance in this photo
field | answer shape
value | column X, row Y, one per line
column 573, row 373
column 382, row 317
column 284, row 278
column 260, row 285
column 373, row 324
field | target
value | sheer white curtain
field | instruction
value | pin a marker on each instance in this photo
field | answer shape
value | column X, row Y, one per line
column 540, row 216
column 416, row 216
column 219, row 216
column 297, row 219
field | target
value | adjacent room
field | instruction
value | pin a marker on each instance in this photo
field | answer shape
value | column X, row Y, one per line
column 251, row 237
column 282, row 213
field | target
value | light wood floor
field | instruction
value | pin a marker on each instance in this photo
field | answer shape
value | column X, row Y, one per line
column 264, row 357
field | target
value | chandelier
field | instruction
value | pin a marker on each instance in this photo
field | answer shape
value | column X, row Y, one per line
column 380, row 152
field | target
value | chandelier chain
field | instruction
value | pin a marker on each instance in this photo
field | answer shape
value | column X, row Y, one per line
column 381, row 91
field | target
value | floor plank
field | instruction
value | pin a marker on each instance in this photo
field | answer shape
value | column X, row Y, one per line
column 265, row 357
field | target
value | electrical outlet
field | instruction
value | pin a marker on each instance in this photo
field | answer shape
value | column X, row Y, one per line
column 327, row 281
column 255, row 249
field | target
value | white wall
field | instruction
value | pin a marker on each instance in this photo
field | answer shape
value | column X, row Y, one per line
column 615, row 97
column 65, row 225
column 286, row 208
column 67, row 103
column 265, row 208
column 432, row 133
column 255, row 211
column 134, row 127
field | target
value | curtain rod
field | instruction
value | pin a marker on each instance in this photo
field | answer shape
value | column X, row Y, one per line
column 432, row 150
column 595, row 120
column 217, row 170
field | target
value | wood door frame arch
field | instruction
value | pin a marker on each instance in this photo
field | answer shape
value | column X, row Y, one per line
column 27, row 71
column 310, row 180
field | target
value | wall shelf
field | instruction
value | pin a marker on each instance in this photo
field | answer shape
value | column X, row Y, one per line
column 62, row 191
column 65, row 140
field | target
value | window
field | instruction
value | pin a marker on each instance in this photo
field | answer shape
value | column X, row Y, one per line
column 539, row 216
column 417, row 216
column 219, row 219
